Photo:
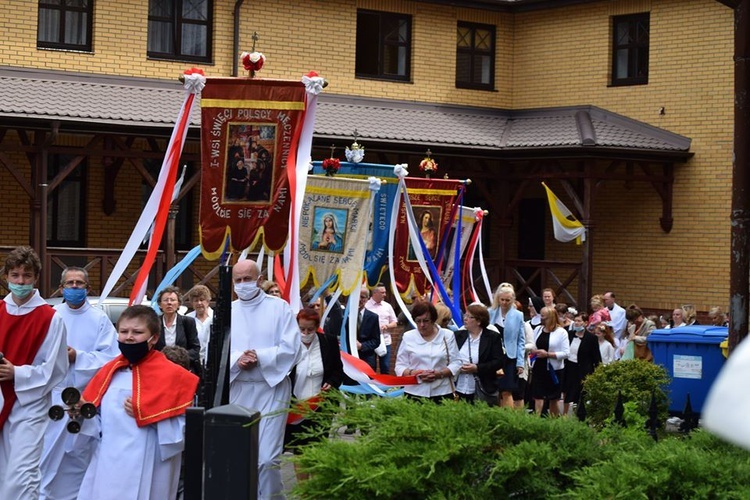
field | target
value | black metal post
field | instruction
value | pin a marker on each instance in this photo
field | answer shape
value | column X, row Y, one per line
column 193, row 469
column 653, row 418
column 231, row 451
column 217, row 381
column 689, row 418
column 619, row 410
column 581, row 409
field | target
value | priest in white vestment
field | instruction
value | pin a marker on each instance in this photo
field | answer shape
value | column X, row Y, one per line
column 32, row 340
column 265, row 343
column 92, row 342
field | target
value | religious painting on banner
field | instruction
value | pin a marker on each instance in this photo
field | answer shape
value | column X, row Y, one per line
column 333, row 230
column 376, row 255
column 249, row 134
column 432, row 201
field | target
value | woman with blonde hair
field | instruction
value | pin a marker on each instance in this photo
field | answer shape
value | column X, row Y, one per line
column 550, row 352
column 271, row 288
column 690, row 314
column 445, row 317
column 717, row 316
column 509, row 322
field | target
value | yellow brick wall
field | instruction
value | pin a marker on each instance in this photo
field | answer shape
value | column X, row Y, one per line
column 296, row 37
column 557, row 57
column 564, row 60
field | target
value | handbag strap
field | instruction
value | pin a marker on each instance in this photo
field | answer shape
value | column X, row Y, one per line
column 468, row 344
column 448, row 358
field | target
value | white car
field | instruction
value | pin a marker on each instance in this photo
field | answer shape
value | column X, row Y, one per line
column 113, row 306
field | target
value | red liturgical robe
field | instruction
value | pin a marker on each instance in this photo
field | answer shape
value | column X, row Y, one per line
column 161, row 389
column 20, row 339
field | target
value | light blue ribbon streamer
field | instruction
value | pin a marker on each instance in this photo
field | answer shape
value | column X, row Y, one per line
column 173, row 274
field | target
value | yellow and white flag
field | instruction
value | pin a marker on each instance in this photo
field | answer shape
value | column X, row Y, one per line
column 564, row 223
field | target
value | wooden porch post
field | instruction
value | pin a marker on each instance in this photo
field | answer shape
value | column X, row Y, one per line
column 504, row 223
column 584, row 282
column 46, row 279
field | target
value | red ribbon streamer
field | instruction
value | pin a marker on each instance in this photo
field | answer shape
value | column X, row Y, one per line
column 173, row 158
column 302, row 408
column 466, row 284
column 278, row 274
column 390, row 380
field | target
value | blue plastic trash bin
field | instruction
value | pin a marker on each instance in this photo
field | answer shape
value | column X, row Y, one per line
column 692, row 356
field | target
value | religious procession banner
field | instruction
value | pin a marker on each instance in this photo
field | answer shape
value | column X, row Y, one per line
column 249, row 134
column 467, row 226
column 376, row 255
column 333, row 230
column 432, row 202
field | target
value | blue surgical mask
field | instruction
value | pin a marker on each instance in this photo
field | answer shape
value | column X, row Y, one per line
column 74, row 296
column 577, row 328
column 21, row 291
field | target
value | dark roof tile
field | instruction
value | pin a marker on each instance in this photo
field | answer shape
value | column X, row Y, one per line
column 26, row 93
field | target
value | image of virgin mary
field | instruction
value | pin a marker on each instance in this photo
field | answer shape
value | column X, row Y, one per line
column 327, row 237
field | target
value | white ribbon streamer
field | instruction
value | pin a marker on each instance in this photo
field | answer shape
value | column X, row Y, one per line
column 150, row 210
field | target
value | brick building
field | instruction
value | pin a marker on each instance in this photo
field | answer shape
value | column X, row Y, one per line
column 624, row 107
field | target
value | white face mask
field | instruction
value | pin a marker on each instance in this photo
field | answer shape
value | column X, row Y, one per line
column 307, row 338
column 246, row 290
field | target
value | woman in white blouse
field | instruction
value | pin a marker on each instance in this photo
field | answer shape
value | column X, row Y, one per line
column 318, row 370
column 552, row 348
column 430, row 354
column 606, row 342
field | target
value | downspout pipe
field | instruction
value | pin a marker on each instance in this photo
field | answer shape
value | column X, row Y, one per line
column 236, row 44
column 739, row 280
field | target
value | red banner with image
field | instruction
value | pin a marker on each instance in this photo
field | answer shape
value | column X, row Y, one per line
column 249, row 134
column 431, row 200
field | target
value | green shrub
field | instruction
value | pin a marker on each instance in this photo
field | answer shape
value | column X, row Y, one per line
column 698, row 466
column 454, row 450
column 635, row 379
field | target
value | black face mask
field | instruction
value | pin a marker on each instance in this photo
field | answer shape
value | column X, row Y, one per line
column 134, row 352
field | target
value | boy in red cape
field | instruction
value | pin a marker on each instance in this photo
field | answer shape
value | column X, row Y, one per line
column 142, row 398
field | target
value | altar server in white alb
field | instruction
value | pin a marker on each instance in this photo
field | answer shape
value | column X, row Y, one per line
column 265, row 345
column 32, row 340
column 142, row 398
column 92, row 342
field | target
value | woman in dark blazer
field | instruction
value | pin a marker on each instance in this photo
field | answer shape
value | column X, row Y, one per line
column 481, row 354
column 318, row 370
column 177, row 329
column 583, row 358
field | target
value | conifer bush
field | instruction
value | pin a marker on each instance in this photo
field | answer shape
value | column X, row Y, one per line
column 451, row 450
column 696, row 466
column 409, row 449
column 635, row 379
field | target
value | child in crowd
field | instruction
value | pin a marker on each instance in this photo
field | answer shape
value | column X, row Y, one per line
column 142, row 398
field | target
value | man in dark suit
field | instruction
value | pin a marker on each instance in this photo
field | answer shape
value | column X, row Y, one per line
column 177, row 329
column 368, row 330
